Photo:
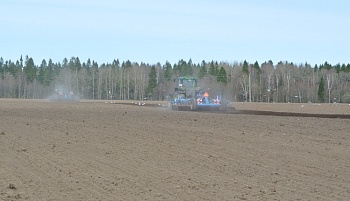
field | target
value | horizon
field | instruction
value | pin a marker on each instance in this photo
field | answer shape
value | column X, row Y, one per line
column 37, row 63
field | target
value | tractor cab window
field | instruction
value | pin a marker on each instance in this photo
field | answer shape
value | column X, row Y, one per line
column 187, row 82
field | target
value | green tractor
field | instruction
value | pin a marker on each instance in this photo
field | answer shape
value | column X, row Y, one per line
column 184, row 96
column 188, row 96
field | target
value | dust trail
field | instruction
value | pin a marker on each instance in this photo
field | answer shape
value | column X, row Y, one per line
column 62, row 93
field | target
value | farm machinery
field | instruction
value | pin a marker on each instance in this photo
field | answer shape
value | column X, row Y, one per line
column 188, row 96
column 62, row 95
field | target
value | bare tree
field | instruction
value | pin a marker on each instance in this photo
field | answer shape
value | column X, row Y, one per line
column 330, row 82
column 244, row 82
column 268, row 70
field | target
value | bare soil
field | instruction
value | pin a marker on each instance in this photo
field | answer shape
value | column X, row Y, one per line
column 105, row 150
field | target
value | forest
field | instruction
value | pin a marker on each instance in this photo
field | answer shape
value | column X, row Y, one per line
column 127, row 80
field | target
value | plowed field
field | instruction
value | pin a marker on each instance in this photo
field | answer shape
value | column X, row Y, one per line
column 102, row 151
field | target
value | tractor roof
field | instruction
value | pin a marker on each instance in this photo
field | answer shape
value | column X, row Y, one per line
column 187, row 78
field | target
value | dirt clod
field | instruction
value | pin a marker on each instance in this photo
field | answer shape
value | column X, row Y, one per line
column 12, row 186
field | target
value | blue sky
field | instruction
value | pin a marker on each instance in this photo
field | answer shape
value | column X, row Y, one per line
column 152, row 31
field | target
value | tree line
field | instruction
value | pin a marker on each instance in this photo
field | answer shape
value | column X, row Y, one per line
column 239, row 81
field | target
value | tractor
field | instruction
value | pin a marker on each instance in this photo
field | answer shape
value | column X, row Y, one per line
column 62, row 95
column 188, row 96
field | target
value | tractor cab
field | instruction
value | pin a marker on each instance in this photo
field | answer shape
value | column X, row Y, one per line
column 186, row 83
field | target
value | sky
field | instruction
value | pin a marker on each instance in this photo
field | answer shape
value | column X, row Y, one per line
column 298, row 31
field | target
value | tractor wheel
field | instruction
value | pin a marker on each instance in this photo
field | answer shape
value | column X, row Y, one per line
column 193, row 104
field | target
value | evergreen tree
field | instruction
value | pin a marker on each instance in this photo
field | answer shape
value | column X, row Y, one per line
column 203, row 70
column 21, row 60
column 212, row 70
column 128, row 64
column 222, row 77
column 190, row 67
column 337, row 68
column 184, row 69
column 88, row 63
column 271, row 62
column 77, row 64
column 41, row 75
column 30, row 69
column 50, row 73
column 321, row 90
column 343, row 68
column 152, row 82
column 216, row 68
column 327, row 65
column 65, row 63
column 245, row 67
column 257, row 66
column 13, row 68
column 74, row 64
column 167, row 71
column 320, row 67
column 257, row 72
